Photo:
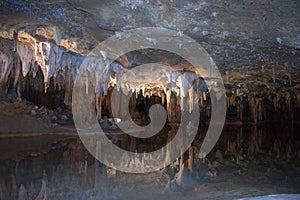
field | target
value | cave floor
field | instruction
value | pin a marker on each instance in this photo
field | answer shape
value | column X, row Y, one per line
column 33, row 153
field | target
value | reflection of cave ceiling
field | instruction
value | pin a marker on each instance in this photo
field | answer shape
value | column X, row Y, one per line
column 237, row 34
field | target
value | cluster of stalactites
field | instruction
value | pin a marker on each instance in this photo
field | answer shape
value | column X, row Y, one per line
column 28, row 55
column 178, row 88
column 261, row 106
column 53, row 60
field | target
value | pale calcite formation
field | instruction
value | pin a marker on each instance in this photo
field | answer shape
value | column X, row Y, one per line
column 24, row 54
column 64, row 66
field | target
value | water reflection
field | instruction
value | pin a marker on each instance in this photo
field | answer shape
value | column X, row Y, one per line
column 70, row 172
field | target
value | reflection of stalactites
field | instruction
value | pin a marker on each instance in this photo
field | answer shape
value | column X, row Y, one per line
column 288, row 150
column 14, row 186
column 43, row 195
column 23, row 195
column 3, row 191
column 255, row 142
column 276, row 148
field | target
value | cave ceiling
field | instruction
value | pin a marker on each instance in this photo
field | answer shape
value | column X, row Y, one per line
column 239, row 35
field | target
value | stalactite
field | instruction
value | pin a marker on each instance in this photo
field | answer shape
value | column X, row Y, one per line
column 231, row 100
column 290, row 79
column 259, row 106
column 276, row 102
column 98, row 107
column 178, row 178
column 17, row 66
column 162, row 94
column 274, row 75
column 68, row 89
column 227, row 77
column 287, row 98
column 27, row 56
column 178, row 109
column 240, row 109
column 204, row 96
column 57, row 35
column 6, row 64
column 169, row 111
column 132, row 104
column 263, row 69
column 191, row 99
